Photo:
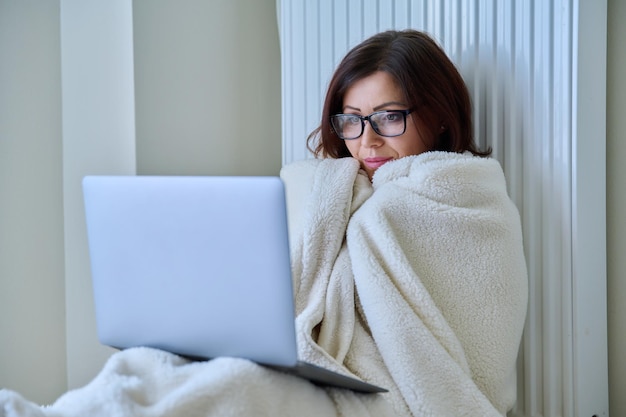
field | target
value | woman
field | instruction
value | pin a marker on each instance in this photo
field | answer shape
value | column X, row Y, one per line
column 407, row 263
column 433, row 244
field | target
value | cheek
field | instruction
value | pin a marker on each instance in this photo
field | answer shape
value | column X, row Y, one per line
column 412, row 145
column 353, row 147
column 424, row 134
column 421, row 139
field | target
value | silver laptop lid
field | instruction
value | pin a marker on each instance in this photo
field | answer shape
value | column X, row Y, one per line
column 194, row 265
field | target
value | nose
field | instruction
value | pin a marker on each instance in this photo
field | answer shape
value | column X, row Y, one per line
column 370, row 138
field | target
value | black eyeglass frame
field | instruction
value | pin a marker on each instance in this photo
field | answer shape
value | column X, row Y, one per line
column 374, row 126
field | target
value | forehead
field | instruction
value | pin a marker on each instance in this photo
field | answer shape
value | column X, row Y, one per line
column 372, row 91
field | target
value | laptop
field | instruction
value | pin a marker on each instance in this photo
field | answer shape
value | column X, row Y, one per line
column 197, row 266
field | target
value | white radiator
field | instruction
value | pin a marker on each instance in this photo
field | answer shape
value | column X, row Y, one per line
column 536, row 72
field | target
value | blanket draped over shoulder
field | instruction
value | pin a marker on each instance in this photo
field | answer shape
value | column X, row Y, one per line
column 415, row 281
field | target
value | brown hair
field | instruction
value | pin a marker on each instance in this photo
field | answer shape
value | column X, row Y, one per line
column 430, row 82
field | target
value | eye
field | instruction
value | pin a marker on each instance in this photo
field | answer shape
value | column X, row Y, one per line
column 392, row 117
column 351, row 120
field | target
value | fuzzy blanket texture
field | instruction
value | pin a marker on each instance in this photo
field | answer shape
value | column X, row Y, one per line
column 415, row 281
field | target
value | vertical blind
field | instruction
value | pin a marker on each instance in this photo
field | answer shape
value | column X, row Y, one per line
column 520, row 60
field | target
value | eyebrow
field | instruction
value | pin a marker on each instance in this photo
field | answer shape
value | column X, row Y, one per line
column 379, row 107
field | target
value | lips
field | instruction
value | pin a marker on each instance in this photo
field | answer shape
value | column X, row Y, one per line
column 376, row 162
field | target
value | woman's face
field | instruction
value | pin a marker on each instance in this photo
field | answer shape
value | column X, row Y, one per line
column 375, row 93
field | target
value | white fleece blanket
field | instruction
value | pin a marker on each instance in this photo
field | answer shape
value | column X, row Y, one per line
column 415, row 282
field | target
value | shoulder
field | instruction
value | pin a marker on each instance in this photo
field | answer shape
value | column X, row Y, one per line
column 435, row 163
column 447, row 170
column 312, row 184
column 319, row 166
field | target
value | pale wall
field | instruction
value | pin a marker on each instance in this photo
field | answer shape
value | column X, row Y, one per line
column 98, row 138
column 207, row 80
column 32, row 303
column 616, row 205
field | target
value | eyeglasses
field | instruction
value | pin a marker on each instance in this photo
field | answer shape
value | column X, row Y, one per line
column 388, row 123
